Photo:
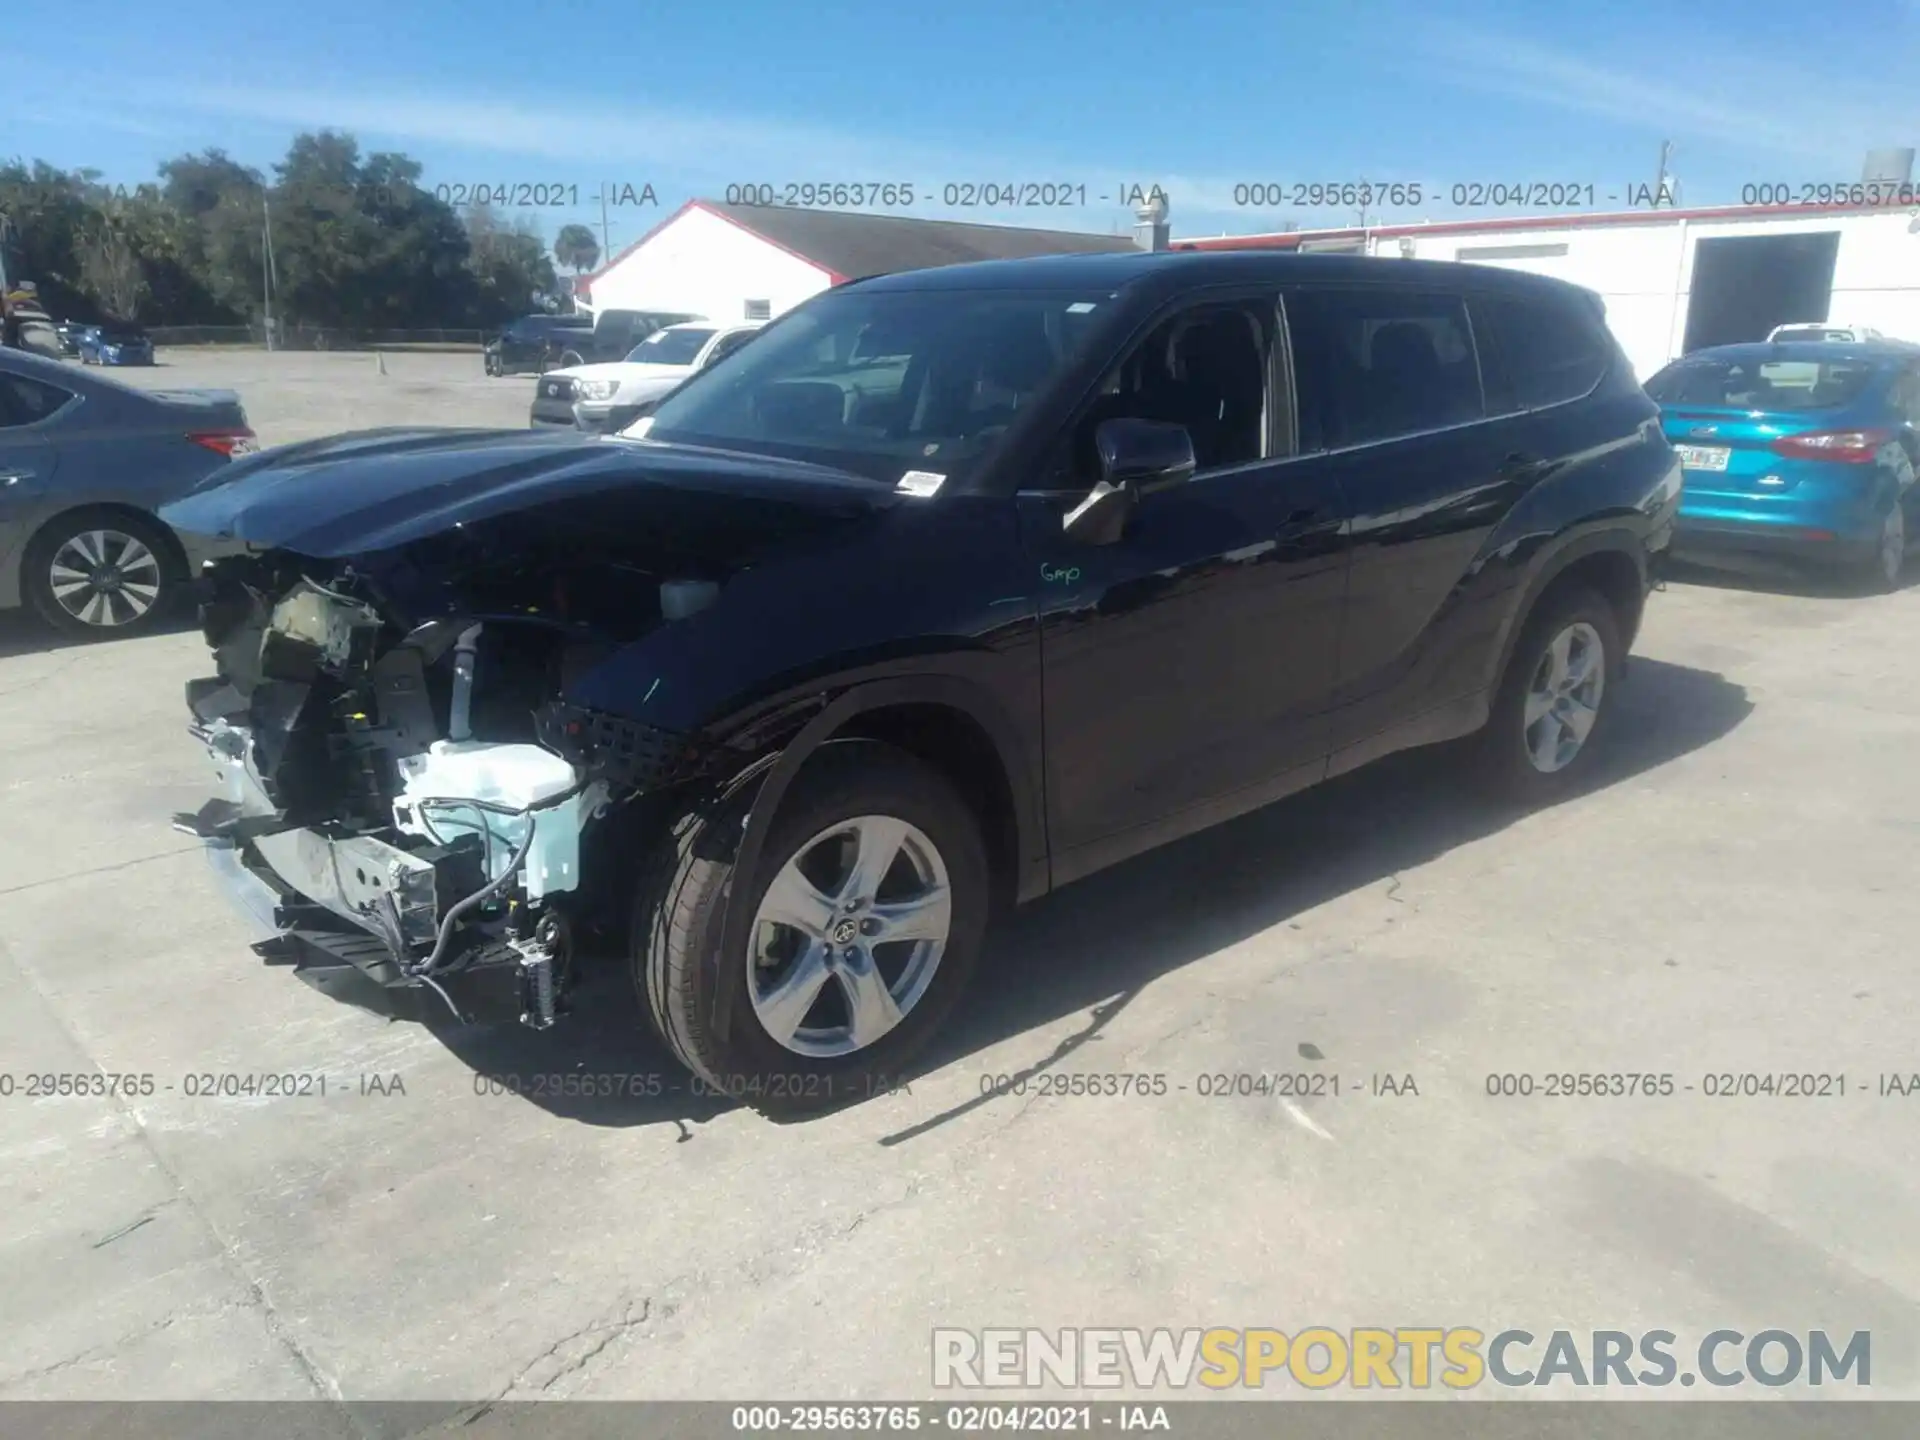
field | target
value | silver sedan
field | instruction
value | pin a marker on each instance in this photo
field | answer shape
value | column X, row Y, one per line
column 84, row 463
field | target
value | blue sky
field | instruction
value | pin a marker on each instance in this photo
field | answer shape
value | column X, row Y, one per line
column 1198, row 96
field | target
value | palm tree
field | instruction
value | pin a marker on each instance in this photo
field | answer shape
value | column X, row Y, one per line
column 576, row 248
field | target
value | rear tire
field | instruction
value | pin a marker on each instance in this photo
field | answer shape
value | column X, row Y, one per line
column 99, row 575
column 1882, row 571
column 1553, row 700
column 819, row 1062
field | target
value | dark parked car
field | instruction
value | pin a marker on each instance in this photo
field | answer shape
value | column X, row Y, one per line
column 69, row 332
column 953, row 587
column 84, row 463
column 539, row 343
column 115, row 343
column 1801, row 450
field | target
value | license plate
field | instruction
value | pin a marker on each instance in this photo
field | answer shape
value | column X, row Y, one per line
column 1702, row 457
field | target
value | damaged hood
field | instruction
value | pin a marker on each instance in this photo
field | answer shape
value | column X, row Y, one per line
column 377, row 490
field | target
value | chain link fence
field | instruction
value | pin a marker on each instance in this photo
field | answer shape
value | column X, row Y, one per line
column 318, row 337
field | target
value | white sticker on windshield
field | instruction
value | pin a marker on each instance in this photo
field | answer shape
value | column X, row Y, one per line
column 1080, row 307
column 920, row 482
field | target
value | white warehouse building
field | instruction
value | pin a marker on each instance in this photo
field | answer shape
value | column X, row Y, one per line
column 754, row 262
column 1676, row 280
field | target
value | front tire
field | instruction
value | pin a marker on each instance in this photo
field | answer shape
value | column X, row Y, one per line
column 868, row 904
column 1554, row 699
column 97, row 574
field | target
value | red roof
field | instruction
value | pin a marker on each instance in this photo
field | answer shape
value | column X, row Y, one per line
column 1577, row 220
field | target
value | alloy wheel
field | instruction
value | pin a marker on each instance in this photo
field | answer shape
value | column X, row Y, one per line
column 1563, row 697
column 848, row 936
column 105, row 578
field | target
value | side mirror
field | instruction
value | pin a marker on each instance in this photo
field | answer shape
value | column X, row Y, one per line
column 1137, row 457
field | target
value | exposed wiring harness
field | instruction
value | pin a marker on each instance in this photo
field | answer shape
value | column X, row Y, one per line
column 425, row 969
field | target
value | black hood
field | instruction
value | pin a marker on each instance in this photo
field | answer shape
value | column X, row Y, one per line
column 377, row 490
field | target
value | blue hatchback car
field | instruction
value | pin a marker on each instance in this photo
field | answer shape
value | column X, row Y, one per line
column 1800, row 450
column 115, row 345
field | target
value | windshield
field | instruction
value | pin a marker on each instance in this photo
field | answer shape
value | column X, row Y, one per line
column 882, row 383
column 669, row 347
column 1753, row 384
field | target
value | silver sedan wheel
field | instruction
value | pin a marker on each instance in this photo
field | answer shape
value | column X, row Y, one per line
column 848, row 936
column 105, row 578
column 1563, row 697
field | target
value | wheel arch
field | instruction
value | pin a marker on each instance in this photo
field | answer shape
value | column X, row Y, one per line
column 1611, row 562
column 944, row 721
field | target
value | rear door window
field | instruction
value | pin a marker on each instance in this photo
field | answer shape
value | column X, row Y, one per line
column 25, row 402
column 1548, row 351
column 1378, row 364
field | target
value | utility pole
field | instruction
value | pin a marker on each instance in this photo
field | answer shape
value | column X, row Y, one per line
column 1660, row 181
column 266, row 268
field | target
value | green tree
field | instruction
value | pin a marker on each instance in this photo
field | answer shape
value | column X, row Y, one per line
column 510, row 266
column 109, row 253
column 576, row 248
column 49, row 209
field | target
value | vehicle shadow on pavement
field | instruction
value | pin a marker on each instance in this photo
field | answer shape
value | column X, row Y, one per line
column 22, row 632
column 1093, row 946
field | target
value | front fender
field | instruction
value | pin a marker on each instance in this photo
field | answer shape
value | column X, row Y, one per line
column 773, row 770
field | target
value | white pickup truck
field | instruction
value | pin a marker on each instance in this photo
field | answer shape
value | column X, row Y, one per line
column 607, row 397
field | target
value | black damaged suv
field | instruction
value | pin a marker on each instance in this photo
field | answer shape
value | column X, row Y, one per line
column 952, row 588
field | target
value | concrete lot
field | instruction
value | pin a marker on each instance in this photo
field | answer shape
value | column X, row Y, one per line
column 1735, row 893
column 298, row 395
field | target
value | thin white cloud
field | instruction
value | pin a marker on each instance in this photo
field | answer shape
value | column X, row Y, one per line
column 702, row 152
column 1743, row 102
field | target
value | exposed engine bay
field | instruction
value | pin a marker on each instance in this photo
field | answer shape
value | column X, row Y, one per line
column 403, row 790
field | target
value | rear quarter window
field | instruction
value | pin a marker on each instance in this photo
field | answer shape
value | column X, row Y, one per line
column 1379, row 364
column 1549, row 349
column 24, row 401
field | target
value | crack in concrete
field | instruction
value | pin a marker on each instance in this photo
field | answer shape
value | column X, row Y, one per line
column 130, row 1227
column 101, row 1351
column 323, row 1384
column 608, row 1328
column 99, row 870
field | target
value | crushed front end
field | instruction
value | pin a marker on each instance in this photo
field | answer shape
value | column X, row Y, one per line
column 402, row 804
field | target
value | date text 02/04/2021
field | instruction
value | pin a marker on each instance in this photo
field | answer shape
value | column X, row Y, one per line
column 1209, row 1085
column 952, row 194
column 1711, row 1084
column 1463, row 194
column 546, row 195
column 196, row 1085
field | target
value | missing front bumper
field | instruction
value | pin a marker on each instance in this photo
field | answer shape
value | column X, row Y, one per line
column 354, row 916
column 492, row 984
